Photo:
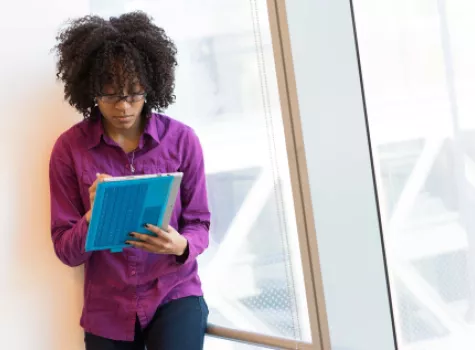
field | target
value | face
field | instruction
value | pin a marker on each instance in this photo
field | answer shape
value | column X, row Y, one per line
column 122, row 109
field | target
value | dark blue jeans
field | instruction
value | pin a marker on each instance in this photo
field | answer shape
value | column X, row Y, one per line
column 177, row 325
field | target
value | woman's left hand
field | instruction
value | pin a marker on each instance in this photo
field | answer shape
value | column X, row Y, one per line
column 160, row 241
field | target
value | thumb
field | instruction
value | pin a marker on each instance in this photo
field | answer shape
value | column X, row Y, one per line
column 101, row 176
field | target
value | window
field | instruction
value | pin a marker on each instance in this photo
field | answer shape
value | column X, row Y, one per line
column 222, row 344
column 417, row 68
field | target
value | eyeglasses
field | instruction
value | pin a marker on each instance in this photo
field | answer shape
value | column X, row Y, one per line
column 113, row 99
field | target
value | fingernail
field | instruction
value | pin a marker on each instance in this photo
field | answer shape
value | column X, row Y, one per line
column 128, row 243
column 146, row 225
column 131, row 234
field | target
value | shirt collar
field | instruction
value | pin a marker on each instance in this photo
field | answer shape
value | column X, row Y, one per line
column 151, row 128
column 96, row 130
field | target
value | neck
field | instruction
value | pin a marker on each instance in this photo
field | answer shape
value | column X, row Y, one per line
column 129, row 138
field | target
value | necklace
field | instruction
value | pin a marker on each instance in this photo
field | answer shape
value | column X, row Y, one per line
column 132, row 168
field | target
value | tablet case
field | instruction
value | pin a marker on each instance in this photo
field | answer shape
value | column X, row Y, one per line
column 125, row 205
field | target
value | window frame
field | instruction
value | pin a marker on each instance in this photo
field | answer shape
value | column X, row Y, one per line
column 302, row 200
column 336, row 202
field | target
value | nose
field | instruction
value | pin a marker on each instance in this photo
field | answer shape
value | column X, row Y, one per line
column 122, row 105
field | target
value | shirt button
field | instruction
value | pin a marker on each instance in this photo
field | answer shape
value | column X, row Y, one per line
column 133, row 273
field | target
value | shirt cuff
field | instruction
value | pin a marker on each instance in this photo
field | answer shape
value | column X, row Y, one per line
column 190, row 251
column 181, row 259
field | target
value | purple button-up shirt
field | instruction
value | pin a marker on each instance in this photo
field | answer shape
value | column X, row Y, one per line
column 119, row 287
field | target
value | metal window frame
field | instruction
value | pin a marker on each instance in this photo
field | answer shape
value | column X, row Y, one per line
column 256, row 338
column 302, row 199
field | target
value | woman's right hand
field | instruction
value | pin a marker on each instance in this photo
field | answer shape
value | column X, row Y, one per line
column 92, row 194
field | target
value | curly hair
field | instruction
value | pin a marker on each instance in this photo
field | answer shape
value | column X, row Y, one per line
column 92, row 50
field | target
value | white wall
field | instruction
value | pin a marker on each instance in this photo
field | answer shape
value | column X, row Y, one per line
column 40, row 299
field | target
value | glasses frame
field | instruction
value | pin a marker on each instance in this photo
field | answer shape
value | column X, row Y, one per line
column 117, row 98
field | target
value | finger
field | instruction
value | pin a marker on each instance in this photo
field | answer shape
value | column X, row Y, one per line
column 143, row 245
column 92, row 189
column 158, row 231
column 99, row 178
column 155, row 240
column 149, row 247
column 152, row 228
column 142, row 237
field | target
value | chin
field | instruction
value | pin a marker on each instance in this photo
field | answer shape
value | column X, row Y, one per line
column 125, row 123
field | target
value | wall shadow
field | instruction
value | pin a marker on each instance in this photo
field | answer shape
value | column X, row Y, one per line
column 50, row 293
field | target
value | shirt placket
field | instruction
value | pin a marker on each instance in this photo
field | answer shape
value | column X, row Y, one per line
column 142, row 315
column 132, row 261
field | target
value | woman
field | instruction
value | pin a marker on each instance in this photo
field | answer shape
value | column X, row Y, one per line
column 115, row 72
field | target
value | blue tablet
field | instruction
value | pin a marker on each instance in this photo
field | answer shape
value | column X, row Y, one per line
column 124, row 204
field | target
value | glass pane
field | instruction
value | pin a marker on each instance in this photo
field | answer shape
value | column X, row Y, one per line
column 227, row 91
column 222, row 344
column 418, row 71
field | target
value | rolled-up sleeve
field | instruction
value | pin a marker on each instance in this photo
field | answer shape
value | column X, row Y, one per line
column 68, row 225
column 194, row 222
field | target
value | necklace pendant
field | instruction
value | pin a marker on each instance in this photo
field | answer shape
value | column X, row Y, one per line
column 132, row 168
